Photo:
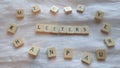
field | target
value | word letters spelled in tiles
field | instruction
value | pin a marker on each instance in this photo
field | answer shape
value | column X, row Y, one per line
column 51, row 52
column 34, row 50
column 99, row 16
column 109, row 42
column 20, row 13
column 18, row 42
column 61, row 29
column 86, row 58
column 68, row 10
column 106, row 28
column 101, row 54
column 12, row 28
column 36, row 9
column 80, row 8
column 68, row 53
column 54, row 9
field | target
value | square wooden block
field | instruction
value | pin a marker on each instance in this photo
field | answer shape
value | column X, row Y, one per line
column 84, row 30
column 70, row 30
column 106, row 28
column 63, row 29
column 47, row 28
column 51, row 52
column 101, row 54
column 39, row 28
column 99, row 16
column 80, row 8
column 86, row 58
column 18, row 42
column 36, row 9
column 54, row 9
column 77, row 30
column 12, row 28
column 33, row 51
column 68, row 53
column 68, row 10
column 20, row 13
column 54, row 29
column 109, row 42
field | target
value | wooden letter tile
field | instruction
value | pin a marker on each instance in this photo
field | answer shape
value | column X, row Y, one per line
column 68, row 53
column 51, row 52
column 63, row 29
column 99, row 16
column 109, row 42
column 39, row 28
column 101, row 54
column 12, row 28
column 18, row 42
column 20, row 13
column 85, row 30
column 80, row 8
column 54, row 28
column 33, row 51
column 77, row 30
column 68, row 10
column 54, row 9
column 47, row 28
column 106, row 28
column 36, row 9
column 86, row 58
column 70, row 29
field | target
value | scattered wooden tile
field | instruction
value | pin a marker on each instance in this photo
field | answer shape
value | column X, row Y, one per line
column 68, row 53
column 36, row 9
column 80, row 8
column 20, row 13
column 68, row 9
column 106, row 28
column 12, row 28
column 18, row 42
column 86, row 58
column 54, row 9
column 99, row 16
column 101, row 54
column 109, row 42
column 51, row 52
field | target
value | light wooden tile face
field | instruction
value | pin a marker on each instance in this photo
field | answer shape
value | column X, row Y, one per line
column 86, row 58
column 85, row 30
column 68, row 53
column 54, row 9
column 36, row 9
column 68, row 10
column 106, row 28
column 51, row 52
column 101, row 54
column 109, row 42
column 99, row 16
column 70, row 30
column 80, row 8
column 39, row 28
column 62, row 29
column 18, row 42
column 77, row 30
column 47, row 28
column 54, row 29
column 20, row 13
column 34, row 50
column 12, row 28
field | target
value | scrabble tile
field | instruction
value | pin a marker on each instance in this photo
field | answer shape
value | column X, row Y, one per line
column 77, row 30
column 70, row 30
column 68, row 53
column 20, row 13
column 39, row 28
column 109, row 42
column 54, row 9
column 101, row 54
column 36, row 9
column 84, row 30
column 106, row 28
column 99, row 16
column 68, row 10
column 34, row 50
column 47, row 28
column 51, row 52
column 80, row 8
column 86, row 58
column 54, row 29
column 12, row 28
column 62, row 29
column 18, row 42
